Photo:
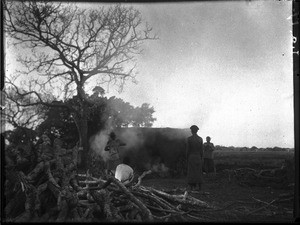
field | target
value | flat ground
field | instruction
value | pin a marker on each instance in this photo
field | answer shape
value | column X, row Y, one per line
column 233, row 202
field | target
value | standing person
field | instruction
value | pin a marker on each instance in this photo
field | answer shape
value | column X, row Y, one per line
column 194, row 151
column 112, row 147
column 208, row 155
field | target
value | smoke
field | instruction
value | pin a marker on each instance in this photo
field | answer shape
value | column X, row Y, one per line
column 98, row 143
column 157, row 166
column 132, row 138
column 161, row 169
column 129, row 136
column 146, row 148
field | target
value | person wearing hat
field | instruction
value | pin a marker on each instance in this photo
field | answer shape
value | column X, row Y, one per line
column 208, row 156
column 194, row 151
column 112, row 147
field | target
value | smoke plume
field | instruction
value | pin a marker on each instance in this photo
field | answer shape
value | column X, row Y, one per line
column 98, row 143
column 131, row 137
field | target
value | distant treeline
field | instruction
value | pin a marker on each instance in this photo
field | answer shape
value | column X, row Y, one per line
column 246, row 149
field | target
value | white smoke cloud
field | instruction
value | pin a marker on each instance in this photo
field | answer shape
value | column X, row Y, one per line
column 161, row 169
column 131, row 137
column 98, row 143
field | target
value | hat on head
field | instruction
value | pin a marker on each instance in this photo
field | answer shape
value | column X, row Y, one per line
column 194, row 127
column 112, row 135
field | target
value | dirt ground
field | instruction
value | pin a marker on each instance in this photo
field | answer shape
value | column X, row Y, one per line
column 232, row 202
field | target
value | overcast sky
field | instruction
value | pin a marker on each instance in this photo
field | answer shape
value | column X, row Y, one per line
column 224, row 66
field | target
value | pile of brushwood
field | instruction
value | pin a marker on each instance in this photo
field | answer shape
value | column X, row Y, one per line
column 113, row 201
column 52, row 190
column 98, row 200
column 282, row 177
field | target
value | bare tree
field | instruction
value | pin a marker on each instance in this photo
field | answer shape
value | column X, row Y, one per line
column 66, row 50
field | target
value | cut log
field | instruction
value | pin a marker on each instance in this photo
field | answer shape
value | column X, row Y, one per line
column 183, row 199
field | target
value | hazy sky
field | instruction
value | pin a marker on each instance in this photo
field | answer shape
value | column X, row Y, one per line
column 224, row 66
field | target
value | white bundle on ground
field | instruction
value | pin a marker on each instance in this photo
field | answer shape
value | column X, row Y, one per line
column 124, row 173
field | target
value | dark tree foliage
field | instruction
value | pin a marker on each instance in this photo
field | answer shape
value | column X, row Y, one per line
column 105, row 113
column 59, row 123
column 20, row 136
column 143, row 116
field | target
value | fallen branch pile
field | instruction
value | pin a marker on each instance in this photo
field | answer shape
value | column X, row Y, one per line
column 51, row 190
column 100, row 200
column 139, row 203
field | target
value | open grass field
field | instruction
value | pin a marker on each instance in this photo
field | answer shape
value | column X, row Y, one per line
column 232, row 202
column 257, row 160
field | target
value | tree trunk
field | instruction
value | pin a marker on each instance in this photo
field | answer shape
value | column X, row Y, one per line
column 81, row 121
column 84, row 142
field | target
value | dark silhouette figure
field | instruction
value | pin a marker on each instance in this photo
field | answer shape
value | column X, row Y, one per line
column 208, row 156
column 112, row 147
column 194, row 151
